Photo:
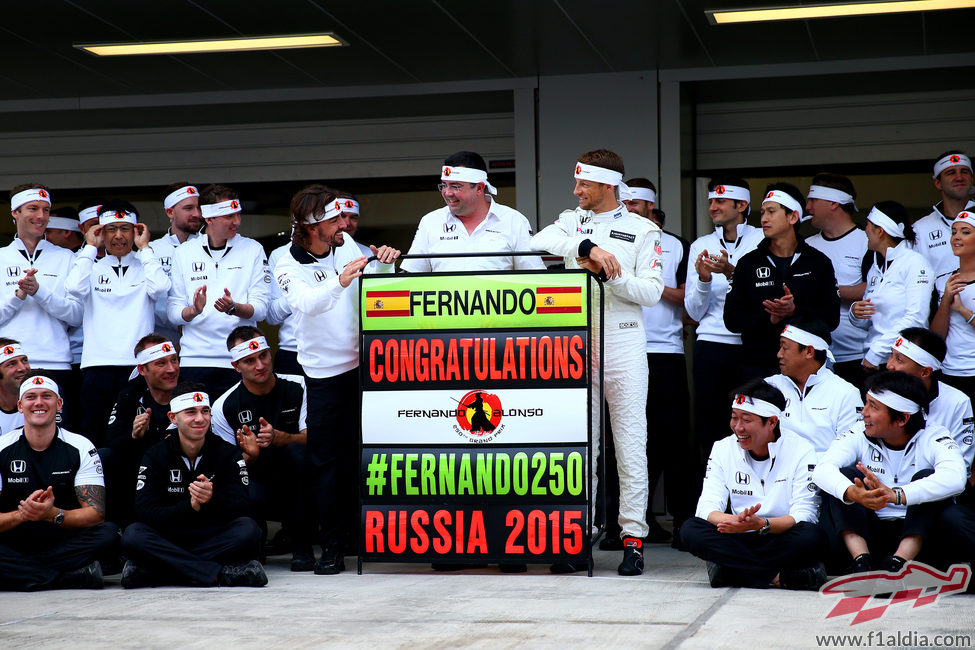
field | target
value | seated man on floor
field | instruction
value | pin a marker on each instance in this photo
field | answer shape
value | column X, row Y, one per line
column 770, row 536
column 266, row 412
column 888, row 478
column 52, row 500
column 192, row 507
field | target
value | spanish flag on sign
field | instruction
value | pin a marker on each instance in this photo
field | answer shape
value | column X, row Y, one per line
column 558, row 300
column 387, row 303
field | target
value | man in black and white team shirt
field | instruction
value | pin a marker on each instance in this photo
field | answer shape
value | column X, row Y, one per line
column 52, row 500
column 14, row 366
column 182, row 206
column 34, row 307
column 831, row 202
column 265, row 413
column 220, row 280
column 952, row 174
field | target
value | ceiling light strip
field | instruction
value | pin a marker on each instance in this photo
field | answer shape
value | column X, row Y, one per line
column 213, row 45
column 835, row 10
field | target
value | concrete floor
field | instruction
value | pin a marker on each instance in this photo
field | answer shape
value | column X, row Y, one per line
column 400, row 605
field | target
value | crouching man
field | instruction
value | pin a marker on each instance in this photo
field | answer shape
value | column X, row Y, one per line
column 890, row 476
column 52, row 500
column 192, row 508
column 771, row 536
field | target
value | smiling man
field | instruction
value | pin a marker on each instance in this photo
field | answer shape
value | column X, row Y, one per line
column 182, row 206
column 14, row 366
column 952, row 175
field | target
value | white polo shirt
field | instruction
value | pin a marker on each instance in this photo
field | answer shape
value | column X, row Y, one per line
column 960, row 359
column 663, row 322
column 846, row 253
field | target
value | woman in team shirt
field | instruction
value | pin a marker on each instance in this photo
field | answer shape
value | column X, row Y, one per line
column 899, row 280
column 955, row 317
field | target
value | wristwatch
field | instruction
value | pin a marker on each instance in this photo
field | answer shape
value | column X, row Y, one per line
column 232, row 310
column 59, row 518
column 898, row 496
column 764, row 530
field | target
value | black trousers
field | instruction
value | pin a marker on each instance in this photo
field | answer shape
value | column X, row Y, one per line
column 962, row 383
column 192, row 556
column 333, row 453
column 883, row 535
column 217, row 380
column 35, row 554
column 100, row 386
column 953, row 537
column 750, row 559
column 279, row 489
column 286, row 363
column 717, row 372
column 851, row 371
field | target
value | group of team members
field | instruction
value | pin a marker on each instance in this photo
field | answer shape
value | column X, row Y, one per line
column 190, row 484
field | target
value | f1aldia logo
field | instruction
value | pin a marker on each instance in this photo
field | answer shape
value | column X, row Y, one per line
column 479, row 413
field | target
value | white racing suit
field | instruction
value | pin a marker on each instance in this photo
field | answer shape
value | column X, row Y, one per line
column 635, row 243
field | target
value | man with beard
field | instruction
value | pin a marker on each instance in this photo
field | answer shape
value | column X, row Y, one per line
column 182, row 205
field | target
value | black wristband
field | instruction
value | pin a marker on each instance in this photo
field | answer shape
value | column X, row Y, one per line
column 585, row 247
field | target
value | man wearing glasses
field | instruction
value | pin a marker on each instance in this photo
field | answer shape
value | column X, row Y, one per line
column 471, row 222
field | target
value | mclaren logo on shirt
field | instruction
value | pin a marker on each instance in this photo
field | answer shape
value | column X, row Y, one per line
column 319, row 276
column 198, row 267
column 449, row 227
column 18, row 466
column 763, row 272
column 741, row 478
column 245, row 416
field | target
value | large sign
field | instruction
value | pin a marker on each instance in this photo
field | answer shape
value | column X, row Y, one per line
column 475, row 417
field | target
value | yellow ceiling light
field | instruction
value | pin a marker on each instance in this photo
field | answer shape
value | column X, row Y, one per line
column 834, row 10
column 245, row 44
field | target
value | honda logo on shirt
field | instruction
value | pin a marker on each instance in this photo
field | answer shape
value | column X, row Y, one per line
column 245, row 416
column 166, row 261
column 13, row 271
column 104, row 279
column 875, row 456
column 741, row 478
column 935, row 235
column 763, row 272
column 18, row 466
column 198, row 267
column 449, row 227
column 175, row 476
column 319, row 276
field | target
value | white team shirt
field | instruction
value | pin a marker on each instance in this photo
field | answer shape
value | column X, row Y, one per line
column 846, row 253
column 826, row 407
column 218, row 420
column 116, row 290
column 10, row 421
column 932, row 234
column 902, row 296
column 953, row 410
column 89, row 471
column 704, row 301
column 40, row 322
column 783, row 485
column 240, row 267
column 960, row 359
column 503, row 229
column 663, row 323
column 931, row 448
column 278, row 309
column 164, row 248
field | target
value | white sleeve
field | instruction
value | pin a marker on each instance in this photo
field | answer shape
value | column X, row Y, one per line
column 917, row 306
column 78, row 281
column 157, row 282
column 559, row 238
column 177, row 299
column 646, row 287
column 218, row 421
column 842, row 452
column 949, row 471
column 804, row 504
column 714, row 492
column 57, row 302
column 418, row 247
column 848, row 409
column 90, row 471
column 257, row 293
column 10, row 304
column 697, row 294
column 303, row 413
column 523, row 242
column 302, row 296
column 278, row 308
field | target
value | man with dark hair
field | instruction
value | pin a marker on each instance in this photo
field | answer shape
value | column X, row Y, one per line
column 831, row 202
column 888, row 478
column 603, row 237
column 770, row 536
column 265, row 414
column 819, row 404
column 64, row 230
column 138, row 420
column 470, row 222
column 783, row 279
column 952, row 174
column 319, row 278
column 920, row 352
column 234, row 270
column 35, row 309
column 182, row 206
column 717, row 351
column 52, row 500
column 14, row 366
column 121, row 287
column 192, row 508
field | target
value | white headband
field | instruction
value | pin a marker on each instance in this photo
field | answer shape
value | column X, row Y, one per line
column 63, row 223
column 89, row 213
column 783, row 199
column 964, row 217
column 733, row 192
column 40, row 381
column 222, row 209
column 643, row 194
column 188, row 401
column 248, row 347
column 179, row 195
column 349, row 205
column 802, row 337
column 830, row 194
column 889, row 226
column 916, row 353
column 756, row 406
column 951, row 160
column 332, row 210
column 466, row 175
column 117, row 216
column 11, row 351
column 33, row 194
column 153, row 352
column 895, row 401
column 586, row 172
